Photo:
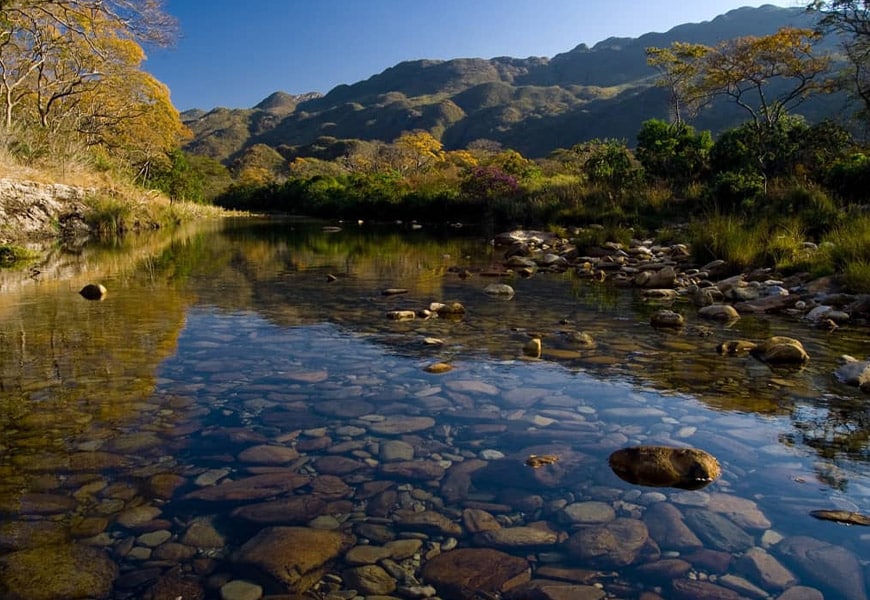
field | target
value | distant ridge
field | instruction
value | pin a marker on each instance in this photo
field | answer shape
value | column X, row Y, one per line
column 533, row 105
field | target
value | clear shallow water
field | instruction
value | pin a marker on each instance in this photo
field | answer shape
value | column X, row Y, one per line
column 232, row 338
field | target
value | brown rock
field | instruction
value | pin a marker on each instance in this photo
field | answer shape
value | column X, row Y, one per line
column 294, row 510
column 338, row 465
column 428, row 521
column 545, row 589
column 665, row 524
column 251, row 488
column 457, row 481
column 687, row 589
column 612, row 545
column 781, row 350
column 164, row 485
column 462, row 573
column 516, row 537
column 266, row 454
column 400, row 424
column 370, row 580
column 50, row 572
column 294, row 558
column 424, row 470
column 477, row 521
column 765, row 570
column 800, row 592
column 662, row 466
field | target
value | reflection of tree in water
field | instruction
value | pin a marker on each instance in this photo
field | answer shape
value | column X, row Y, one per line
column 838, row 432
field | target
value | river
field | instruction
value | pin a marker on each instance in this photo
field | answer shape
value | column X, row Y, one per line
column 241, row 381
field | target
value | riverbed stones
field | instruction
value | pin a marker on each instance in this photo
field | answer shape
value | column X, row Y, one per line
column 239, row 589
column 294, row 510
column 290, row 559
column 546, row 589
column 765, row 570
column 719, row 312
column 508, row 538
column 267, row 454
column 251, row 488
column 667, row 319
column 827, row 564
column 428, row 521
column 370, row 580
column 610, row 546
column 401, row 424
column 744, row 512
column 461, row 574
column 586, row 513
column 718, row 532
column 666, row 526
column 501, row 290
column 62, row 571
column 663, row 466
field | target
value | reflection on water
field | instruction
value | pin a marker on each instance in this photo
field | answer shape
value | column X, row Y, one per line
column 228, row 355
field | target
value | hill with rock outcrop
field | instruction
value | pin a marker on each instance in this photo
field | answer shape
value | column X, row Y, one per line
column 533, row 105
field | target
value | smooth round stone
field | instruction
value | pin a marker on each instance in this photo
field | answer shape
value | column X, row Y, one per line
column 370, row 580
column 397, row 425
column 587, row 513
column 327, row 522
column 137, row 516
column 241, row 590
column 350, row 431
column 403, row 549
column 652, row 498
column 491, row 455
column 367, row 555
column 268, row 455
column 153, row 539
column 395, row 451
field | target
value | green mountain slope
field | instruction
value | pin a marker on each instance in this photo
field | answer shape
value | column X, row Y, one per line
column 533, row 105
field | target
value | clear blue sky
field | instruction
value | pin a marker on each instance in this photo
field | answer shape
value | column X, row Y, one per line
column 233, row 53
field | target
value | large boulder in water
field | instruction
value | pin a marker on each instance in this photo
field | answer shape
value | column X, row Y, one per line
column 663, row 466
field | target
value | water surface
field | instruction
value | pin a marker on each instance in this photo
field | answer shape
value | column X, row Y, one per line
column 251, row 333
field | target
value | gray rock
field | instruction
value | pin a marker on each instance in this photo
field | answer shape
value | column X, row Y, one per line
column 499, row 289
column 667, row 319
column 765, row 570
column 666, row 526
column 719, row 312
column 586, row 513
column 854, row 372
column 717, row 531
column 613, row 545
column 826, row 564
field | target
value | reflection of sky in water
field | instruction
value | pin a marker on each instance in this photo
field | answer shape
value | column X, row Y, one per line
column 244, row 339
column 239, row 360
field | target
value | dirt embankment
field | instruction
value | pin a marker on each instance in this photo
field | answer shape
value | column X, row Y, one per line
column 33, row 212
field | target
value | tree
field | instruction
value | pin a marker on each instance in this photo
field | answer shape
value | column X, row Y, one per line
column 418, row 151
column 851, row 20
column 673, row 151
column 745, row 68
column 679, row 66
column 74, row 66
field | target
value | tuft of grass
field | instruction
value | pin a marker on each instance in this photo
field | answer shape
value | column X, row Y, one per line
column 728, row 238
column 107, row 215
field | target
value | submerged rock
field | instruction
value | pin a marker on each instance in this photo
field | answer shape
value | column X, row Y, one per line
column 49, row 572
column 666, row 318
column 294, row 558
column 781, row 350
column 662, row 466
column 464, row 573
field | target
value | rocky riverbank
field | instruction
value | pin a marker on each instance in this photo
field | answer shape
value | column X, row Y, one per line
column 34, row 213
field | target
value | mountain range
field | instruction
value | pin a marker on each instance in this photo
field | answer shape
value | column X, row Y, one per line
column 533, row 105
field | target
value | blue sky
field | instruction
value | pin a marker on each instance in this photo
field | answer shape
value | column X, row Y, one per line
column 234, row 54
